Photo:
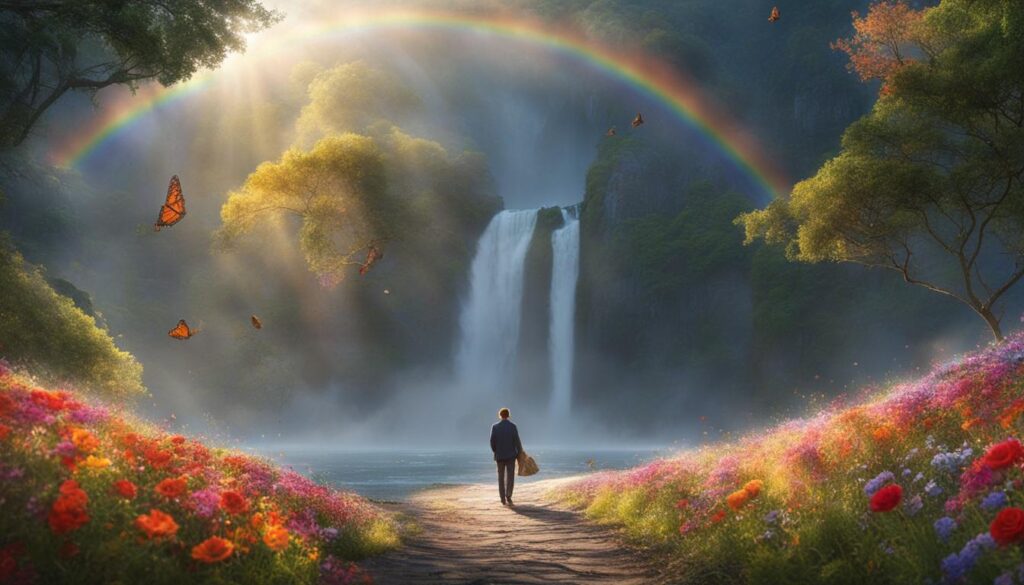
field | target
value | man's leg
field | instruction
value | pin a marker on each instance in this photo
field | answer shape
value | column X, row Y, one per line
column 501, row 480
column 511, row 479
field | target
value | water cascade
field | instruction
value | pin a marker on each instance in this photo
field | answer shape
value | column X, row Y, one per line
column 565, row 268
column 491, row 316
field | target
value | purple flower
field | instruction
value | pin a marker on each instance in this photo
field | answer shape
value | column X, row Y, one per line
column 933, row 489
column 913, row 505
column 65, row 449
column 1004, row 579
column 329, row 533
column 205, row 501
column 86, row 414
column 994, row 501
column 944, row 527
column 772, row 517
column 957, row 565
column 876, row 484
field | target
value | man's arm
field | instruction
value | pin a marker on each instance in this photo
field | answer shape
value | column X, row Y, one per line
column 519, row 444
column 494, row 448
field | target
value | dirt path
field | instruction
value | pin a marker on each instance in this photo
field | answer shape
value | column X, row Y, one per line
column 463, row 535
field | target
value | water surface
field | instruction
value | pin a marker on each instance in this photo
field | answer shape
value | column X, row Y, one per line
column 393, row 475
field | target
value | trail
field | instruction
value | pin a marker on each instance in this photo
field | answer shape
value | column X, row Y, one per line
column 463, row 535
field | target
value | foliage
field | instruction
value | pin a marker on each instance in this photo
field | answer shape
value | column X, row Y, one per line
column 93, row 496
column 351, row 97
column 47, row 332
column 934, row 171
column 48, row 48
column 905, row 487
column 351, row 191
column 337, row 189
column 667, row 253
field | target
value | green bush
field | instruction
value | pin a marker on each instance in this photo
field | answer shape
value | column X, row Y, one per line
column 46, row 332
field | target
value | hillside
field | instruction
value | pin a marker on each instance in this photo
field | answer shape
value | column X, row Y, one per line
column 920, row 483
column 90, row 495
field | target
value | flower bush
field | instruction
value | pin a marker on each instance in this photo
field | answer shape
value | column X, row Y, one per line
column 922, row 482
column 90, row 495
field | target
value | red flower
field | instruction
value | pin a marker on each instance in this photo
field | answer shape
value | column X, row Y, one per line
column 177, row 439
column 886, row 498
column 172, row 487
column 9, row 560
column 212, row 550
column 157, row 524
column 125, row 488
column 1008, row 526
column 4, row 431
column 68, row 511
column 157, row 457
column 233, row 503
column 1003, row 455
column 49, row 400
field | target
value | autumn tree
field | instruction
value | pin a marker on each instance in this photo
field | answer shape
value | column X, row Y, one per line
column 51, row 47
column 928, row 184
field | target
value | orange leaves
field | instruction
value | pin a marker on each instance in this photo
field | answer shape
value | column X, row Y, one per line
column 882, row 40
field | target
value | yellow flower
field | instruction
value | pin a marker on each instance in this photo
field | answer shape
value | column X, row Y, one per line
column 94, row 462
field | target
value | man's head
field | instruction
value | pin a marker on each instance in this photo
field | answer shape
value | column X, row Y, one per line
column 503, row 413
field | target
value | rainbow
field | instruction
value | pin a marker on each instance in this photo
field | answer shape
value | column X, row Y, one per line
column 646, row 75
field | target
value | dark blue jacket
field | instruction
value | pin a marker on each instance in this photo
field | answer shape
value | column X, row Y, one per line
column 505, row 440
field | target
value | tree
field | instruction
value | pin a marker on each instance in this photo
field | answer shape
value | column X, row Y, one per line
column 928, row 184
column 336, row 190
column 51, row 47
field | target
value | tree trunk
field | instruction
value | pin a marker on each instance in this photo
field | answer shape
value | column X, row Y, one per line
column 993, row 322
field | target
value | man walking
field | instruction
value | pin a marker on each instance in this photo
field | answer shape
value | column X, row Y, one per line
column 506, row 447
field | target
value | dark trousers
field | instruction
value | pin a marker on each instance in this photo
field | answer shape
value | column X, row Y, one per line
column 506, row 478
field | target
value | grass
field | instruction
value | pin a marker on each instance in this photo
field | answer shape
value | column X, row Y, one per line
column 79, row 482
column 921, row 482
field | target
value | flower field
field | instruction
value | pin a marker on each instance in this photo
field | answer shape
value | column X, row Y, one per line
column 923, row 483
column 89, row 495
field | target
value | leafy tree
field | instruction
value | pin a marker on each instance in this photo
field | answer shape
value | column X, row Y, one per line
column 55, row 339
column 929, row 183
column 51, row 47
column 336, row 189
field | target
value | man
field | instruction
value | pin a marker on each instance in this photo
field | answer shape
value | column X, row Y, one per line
column 506, row 447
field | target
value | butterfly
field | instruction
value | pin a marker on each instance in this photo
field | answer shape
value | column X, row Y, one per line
column 182, row 331
column 173, row 208
column 610, row 132
column 774, row 15
column 256, row 322
column 372, row 256
column 638, row 120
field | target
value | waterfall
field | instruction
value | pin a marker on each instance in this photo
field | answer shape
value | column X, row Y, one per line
column 490, row 318
column 565, row 268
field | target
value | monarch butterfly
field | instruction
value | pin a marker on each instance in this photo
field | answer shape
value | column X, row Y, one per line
column 182, row 331
column 638, row 120
column 173, row 208
column 256, row 322
column 774, row 15
column 372, row 256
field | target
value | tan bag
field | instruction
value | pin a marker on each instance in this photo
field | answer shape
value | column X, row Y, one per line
column 527, row 466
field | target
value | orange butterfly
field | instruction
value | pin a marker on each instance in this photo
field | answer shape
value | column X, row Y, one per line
column 372, row 256
column 182, row 331
column 256, row 322
column 173, row 208
column 638, row 120
column 774, row 15
column 610, row 132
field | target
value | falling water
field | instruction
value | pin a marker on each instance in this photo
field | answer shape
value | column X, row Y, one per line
column 565, row 247
column 490, row 319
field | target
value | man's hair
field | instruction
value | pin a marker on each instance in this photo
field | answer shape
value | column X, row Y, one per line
column 504, row 413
